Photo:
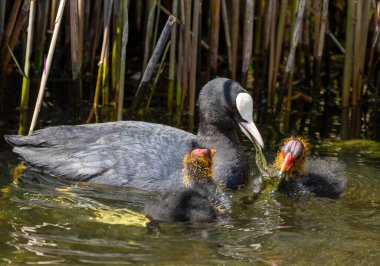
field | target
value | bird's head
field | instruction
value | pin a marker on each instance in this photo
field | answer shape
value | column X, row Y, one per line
column 225, row 104
column 290, row 158
column 197, row 166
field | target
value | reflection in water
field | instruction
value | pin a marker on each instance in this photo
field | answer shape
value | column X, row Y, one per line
column 47, row 220
column 101, row 212
column 35, row 243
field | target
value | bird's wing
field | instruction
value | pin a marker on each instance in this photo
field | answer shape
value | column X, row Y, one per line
column 135, row 154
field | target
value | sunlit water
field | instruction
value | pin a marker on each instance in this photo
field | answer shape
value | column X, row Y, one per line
column 46, row 220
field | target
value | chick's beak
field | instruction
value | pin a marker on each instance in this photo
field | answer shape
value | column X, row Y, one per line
column 212, row 152
column 287, row 162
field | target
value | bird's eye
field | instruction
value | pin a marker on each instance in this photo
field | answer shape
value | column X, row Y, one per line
column 232, row 109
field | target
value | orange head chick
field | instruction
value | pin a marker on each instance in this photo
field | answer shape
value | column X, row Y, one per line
column 290, row 158
column 197, row 166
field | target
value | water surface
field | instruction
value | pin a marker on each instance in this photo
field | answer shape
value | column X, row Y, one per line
column 47, row 220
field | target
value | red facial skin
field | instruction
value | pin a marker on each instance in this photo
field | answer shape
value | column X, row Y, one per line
column 292, row 154
column 203, row 152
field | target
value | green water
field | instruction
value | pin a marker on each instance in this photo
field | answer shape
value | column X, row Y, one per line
column 45, row 220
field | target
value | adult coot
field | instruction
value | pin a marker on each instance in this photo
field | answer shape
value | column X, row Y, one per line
column 146, row 155
column 199, row 200
column 302, row 174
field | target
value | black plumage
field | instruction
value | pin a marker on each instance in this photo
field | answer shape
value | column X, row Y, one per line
column 302, row 174
column 145, row 155
column 200, row 200
column 319, row 176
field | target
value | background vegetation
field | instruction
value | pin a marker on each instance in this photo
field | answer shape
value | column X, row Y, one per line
column 311, row 65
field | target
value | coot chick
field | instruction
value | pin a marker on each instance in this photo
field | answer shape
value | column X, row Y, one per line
column 302, row 174
column 146, row 155
column 199, row 200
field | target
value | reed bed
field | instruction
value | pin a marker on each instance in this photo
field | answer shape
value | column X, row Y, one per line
column 311, row 65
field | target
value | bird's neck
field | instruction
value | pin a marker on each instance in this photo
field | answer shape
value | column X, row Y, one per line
column 208, row 134
column 230, row 163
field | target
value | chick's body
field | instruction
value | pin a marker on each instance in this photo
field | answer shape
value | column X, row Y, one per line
column 198, row 200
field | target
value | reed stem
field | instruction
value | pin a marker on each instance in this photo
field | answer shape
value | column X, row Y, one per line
column 98, row 22
column 361, row 35
column 193, row 57
column 214, row 36
column 227, row 34
column 347, row 74
column 43, row 7
column 247, row 40
column 235, row 35
column 117, row 29
column 320, row 36
column 151, row 6
column 172, row 63
column 124, row 42
column 3, row 4
column 49, row 59
column 104, row 55
column 270, row 48
column 53, row 8
column 158, row 74
column 81, row 21
column 296, row 35
column 158, row 12
column 186, row 51
column 74, row 30
column 25, row 80
column 181, row 57
column 279, row 42
column 11, row 23
column 16, row 30
column 152, row 63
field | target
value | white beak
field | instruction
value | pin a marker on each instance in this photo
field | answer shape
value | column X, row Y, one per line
column 244, row 104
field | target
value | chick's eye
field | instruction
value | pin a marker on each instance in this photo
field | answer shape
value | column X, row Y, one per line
column 232, row 109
